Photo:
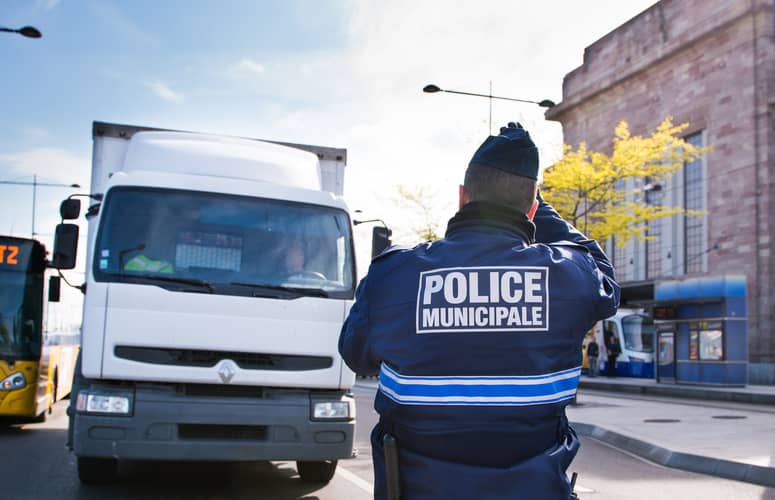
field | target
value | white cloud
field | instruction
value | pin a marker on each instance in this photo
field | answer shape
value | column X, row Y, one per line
column 399, row 135
column 36, row 133
column 163, row 91
column 248, row 67
column 46, row 4
column 51, row 165
column 121, row 25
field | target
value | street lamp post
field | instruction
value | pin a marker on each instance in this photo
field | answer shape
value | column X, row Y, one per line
column 432, row 89
column 35, row 185
column 27, row 31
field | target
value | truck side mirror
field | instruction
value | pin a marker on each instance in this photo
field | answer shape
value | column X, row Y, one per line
column 380, row 240
column 54, row 288
column 65, row 246
column 70, row 209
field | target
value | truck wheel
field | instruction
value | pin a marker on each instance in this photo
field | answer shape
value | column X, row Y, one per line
column 93, row 470
column 316, row 472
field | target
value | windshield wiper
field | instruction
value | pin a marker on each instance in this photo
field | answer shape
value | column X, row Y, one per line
column 296, row 290
column 173, row 279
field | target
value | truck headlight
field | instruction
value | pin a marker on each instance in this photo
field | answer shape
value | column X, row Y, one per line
column 13, row 381
column 104, row 402
column 333, row 410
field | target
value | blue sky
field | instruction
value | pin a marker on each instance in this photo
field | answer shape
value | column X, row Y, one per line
column 340, row 73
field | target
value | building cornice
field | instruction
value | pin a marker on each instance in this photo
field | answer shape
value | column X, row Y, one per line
column 670, row 49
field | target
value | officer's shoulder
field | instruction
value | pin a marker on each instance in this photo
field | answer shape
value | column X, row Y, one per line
column 396, row 256
column 569, row 245
column 391, row 251
column 565, row 250
column 569, row 252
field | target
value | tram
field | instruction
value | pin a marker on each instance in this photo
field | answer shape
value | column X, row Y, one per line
column 636, row 333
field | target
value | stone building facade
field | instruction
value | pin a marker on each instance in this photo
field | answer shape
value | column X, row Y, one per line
column 710, row 63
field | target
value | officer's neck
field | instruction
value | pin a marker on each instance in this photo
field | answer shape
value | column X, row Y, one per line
column 483, row 213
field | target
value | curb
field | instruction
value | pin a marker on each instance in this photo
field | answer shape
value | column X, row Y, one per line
column 727, row 469
column 690, row 392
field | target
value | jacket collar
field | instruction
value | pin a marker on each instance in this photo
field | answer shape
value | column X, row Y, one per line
column 483, row 213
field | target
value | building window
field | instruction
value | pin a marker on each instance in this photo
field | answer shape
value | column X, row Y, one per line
column 618, row 253
column 695, row 245
column 654, row 230
column 618, row 257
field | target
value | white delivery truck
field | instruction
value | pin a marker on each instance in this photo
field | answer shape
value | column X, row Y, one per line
column 219, row 271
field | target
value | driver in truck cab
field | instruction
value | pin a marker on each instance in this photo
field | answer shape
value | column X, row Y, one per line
column 156, row 253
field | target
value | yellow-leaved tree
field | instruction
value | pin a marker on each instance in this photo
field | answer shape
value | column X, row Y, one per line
column 419, row 201
column 588, row 188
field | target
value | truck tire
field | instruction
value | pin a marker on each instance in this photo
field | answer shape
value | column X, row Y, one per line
column 316, row 472
column 93, row 470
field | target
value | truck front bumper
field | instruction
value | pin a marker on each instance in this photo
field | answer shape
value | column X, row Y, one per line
column 167, row 425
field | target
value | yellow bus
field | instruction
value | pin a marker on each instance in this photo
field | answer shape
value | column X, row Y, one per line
column 39, row 335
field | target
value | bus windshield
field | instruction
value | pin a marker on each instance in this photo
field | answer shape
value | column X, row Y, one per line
column 224, row 244
column 638, row 333
column 22, row 263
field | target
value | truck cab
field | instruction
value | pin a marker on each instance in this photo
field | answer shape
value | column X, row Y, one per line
column 219, row 272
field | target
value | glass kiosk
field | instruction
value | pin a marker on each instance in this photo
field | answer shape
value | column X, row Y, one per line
column 702, row 335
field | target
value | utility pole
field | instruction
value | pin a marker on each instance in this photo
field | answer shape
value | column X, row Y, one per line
column 35, row 185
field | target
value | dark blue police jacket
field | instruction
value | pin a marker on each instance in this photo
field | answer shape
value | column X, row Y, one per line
column 477, row 342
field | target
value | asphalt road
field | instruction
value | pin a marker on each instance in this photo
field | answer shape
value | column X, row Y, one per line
column 36, row 466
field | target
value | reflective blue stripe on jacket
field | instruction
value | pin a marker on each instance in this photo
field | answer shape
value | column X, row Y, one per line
column 477, row 341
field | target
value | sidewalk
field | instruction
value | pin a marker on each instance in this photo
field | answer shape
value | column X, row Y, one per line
column 755, row 394
column 695, row 431
column 685, row 432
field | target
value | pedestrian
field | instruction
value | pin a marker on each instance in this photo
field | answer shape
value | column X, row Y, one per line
column 614, row 350
column 476, row 339
column 593, row 351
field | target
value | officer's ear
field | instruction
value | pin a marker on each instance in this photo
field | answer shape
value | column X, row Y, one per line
column 463, row 196
column 532, row 212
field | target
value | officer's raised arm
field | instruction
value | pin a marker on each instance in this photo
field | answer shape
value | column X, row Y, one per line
column 552, row 228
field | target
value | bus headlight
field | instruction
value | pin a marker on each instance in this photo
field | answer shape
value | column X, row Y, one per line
column 104, row 402
column 13, row 381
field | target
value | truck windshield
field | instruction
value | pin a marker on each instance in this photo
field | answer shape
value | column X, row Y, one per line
column 638, row 333
column 22, row 263
column 224, row 244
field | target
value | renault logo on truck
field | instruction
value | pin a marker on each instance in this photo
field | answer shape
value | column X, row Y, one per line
column 226, row 370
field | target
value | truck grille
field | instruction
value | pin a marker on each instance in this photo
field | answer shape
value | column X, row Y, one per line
column 235, row 432
column 221, row 391
column 206, row 359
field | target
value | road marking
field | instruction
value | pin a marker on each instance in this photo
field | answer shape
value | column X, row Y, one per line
column 357, row 481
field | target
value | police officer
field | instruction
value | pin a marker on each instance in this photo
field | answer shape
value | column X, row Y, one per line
column 477, row 338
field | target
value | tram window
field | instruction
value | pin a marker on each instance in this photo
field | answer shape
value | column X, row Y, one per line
column 638, row 333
